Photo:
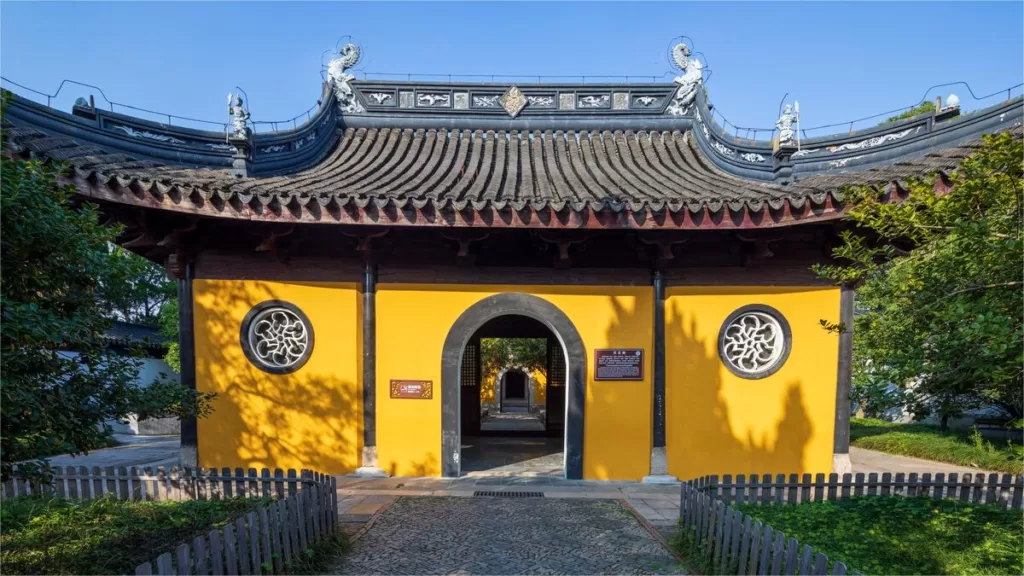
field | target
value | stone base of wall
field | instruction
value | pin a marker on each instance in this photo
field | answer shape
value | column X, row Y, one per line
column 159, row 426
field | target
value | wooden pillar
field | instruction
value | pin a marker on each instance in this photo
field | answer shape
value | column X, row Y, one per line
column 841, row 442
column 659, row 456
column 659, row 360
column 368, row 465
column 189, row 452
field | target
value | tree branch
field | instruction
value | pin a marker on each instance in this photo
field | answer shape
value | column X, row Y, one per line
column 986, row 286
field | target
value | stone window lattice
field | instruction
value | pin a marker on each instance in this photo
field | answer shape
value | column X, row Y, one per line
column 754, row 341
column 276, row 337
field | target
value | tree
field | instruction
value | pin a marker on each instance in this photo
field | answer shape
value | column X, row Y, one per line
column 167, row 320
column 498, row 353
column 939, row 279
column 56, row 264
column 135, row 289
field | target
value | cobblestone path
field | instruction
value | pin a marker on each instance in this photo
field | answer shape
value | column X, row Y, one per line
column 481, row 535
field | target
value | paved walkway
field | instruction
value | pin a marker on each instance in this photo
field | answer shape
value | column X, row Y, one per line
column 360, row 498
column 525, row 456
column 494, row 535
column 868, row 461
column 141, row 451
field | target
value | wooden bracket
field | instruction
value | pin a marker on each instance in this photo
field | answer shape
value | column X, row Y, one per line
column 465, row 238
column 269, row 243
column 175, row 264
column 365, row 238
column 563, row 241
column 176, row 236
column 664, row 241
column 762, row 248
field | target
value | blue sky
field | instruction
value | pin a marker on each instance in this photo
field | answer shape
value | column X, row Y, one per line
column 840, row 60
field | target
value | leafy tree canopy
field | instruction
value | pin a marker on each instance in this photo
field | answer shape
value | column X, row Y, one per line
column 57, row 268
column 939, row 280
column 498, row 353
column 135, row 289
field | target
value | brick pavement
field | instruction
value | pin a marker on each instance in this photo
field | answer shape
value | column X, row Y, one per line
column 486, row 535
column 659, row 504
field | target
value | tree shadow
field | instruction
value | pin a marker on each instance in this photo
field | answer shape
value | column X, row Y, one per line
column 719, row 423
column 311, row 418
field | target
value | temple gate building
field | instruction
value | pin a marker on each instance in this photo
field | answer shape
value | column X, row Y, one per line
column 336, row 278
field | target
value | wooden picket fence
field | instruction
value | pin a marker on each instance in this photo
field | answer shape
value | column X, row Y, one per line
column 83, row 483
column 735, row 543
column 304, row 510
column 1006, row 490
column 268, row 540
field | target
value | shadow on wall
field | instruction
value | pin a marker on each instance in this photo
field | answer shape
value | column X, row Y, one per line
column 619, row 412
column 705, row 421
column 426, row 467
column 310, row 418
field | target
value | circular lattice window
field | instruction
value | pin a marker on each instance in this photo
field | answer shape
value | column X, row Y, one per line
column 754, row 341
column 277, row 337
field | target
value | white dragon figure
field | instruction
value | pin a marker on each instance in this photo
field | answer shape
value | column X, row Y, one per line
column 347, row 58
column 689, row 82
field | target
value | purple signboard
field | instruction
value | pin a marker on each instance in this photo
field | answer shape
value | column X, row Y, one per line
column 619, row 364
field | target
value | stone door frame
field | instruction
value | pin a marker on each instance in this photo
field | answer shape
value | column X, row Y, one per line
column 513, row 303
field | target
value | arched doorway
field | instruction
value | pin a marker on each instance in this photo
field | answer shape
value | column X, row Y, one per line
column 513, row 387
column 570, row 346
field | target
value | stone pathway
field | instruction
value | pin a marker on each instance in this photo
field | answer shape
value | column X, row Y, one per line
column 141, row 451
column 868, row 461
column 492, row 535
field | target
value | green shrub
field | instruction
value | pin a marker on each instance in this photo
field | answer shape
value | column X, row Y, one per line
column 103, row 536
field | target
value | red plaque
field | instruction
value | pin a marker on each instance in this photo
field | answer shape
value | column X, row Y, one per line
column 419, row 389
column 619, row 364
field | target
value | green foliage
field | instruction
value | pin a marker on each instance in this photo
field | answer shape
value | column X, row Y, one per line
column 56, row 265
column 103, row 536
column 324, row 557
column 926, row 107
column 497, row 353
column 135, row 289
column 896, row 535
column 932, row 443
column 939, row 280
column 684, row 543
column 167, row 320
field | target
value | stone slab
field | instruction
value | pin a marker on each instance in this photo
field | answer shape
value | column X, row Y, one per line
column 507, row 536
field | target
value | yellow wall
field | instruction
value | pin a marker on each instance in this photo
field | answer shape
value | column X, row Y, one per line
column 540, row 386
column 719, row 423
column 716, row 422
column 413, row 322
column 311, row 418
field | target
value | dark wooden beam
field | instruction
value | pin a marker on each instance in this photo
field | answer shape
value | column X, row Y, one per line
column 189, row 452
column 841, row 440
column 658, row 281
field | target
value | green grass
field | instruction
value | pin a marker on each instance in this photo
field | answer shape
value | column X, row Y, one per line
column 931, row 443
column 324, row 557
column 103, row 536
column 895, row 535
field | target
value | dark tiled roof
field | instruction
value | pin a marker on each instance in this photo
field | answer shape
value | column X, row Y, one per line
column 405, row 170
column 127, row 333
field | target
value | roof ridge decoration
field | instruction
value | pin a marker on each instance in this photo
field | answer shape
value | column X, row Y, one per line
column 689, row 82
column 348, row 57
